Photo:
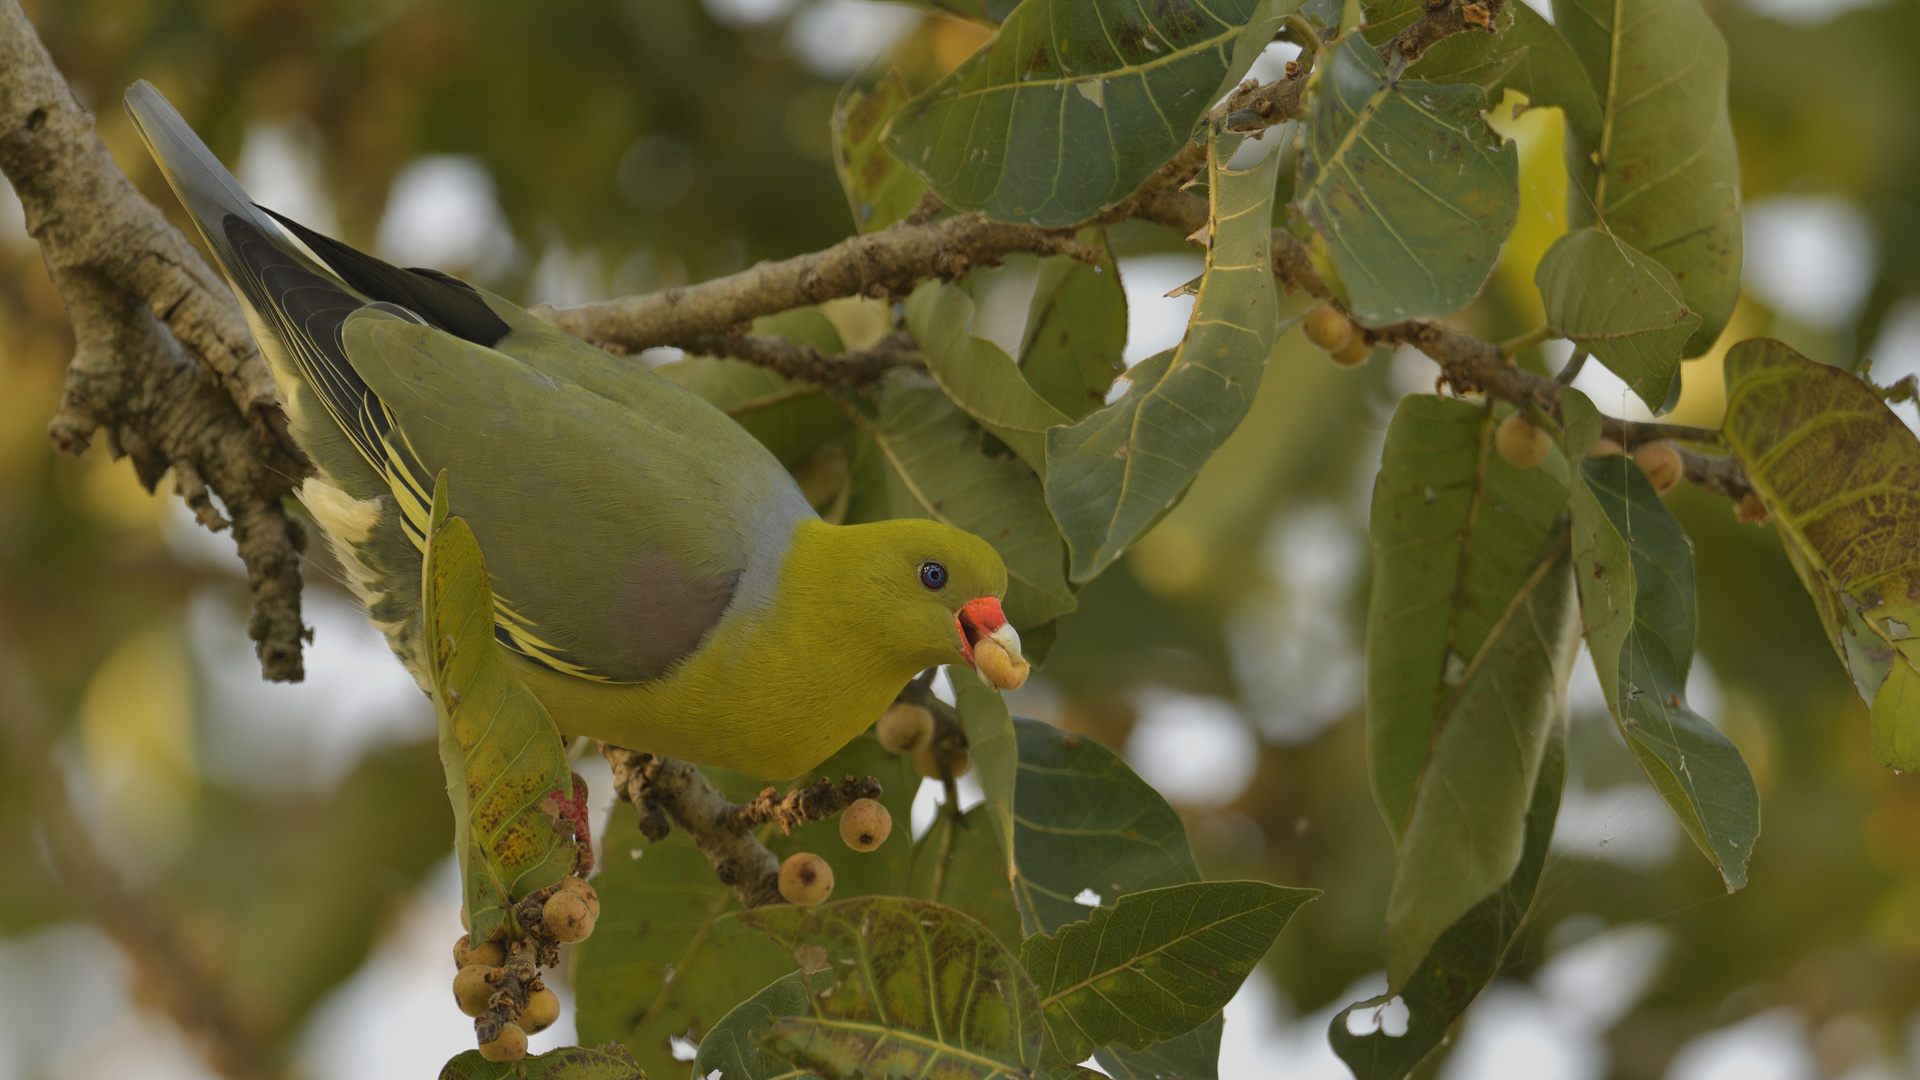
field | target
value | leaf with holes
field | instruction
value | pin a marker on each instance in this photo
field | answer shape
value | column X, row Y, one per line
column 1455, row 531
column 1467, row 827
column 1409, row 193
column 1086, row 828
column 1113, row 474
column 879, row 189
column 891, row 987
column 506, row 769
column 935, row 467
column 1155, row 965
column 1660, row 171
column 978, row 375
column 1075, row 102
column 1635, row 569
column 1621, row 306
column 1076, row 330
column 1084, row 822
column 1467, row 956
column 1840, row 474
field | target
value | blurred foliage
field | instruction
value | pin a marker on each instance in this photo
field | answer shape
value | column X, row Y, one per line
column 286, row 888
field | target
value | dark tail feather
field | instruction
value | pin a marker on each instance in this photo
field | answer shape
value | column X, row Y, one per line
column 229, row 220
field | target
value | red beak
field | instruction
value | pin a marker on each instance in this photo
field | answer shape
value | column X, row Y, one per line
column 976, row 620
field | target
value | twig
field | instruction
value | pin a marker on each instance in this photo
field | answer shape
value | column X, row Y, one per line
column 1437, row 22
column 166, row 973
column 1571, row 371
column 662, row 788
column 163, row 363
column 520, row 975
column 807, row 364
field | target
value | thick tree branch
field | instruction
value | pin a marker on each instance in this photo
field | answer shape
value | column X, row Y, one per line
column 136, row 292
column 883, row 263
column 664, row 788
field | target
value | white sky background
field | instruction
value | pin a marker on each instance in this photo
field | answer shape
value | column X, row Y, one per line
column 1808, row 256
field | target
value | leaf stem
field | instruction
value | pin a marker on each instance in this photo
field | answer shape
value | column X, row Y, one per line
column 1572, row 371
column 1526, row 341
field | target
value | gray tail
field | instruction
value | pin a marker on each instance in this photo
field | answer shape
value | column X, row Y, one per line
column 203, row 185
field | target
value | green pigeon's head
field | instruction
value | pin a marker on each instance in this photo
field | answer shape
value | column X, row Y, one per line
column 929, row 594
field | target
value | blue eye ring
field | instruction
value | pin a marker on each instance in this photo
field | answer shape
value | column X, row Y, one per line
column 933, row 575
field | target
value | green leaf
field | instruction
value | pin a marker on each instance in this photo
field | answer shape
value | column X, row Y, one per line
column 879, row 189
column 1455, row 532
column 1661, row 171
column 977, row 375
column 1525, row 54
column 791, row 419
column 959, row 864
column 659, row 963
column 1075, row 102
column 1193, row 1056
column 1084, row 821
column 1076, row 330
column 1468, row 825
column 566, row 1063
column 1115, row 472
column 936, row 468
column 1467, row 956
column 1621, row 306
column 506, row 769
column 1840, row 474
column 1635, row 569
column 995, row 750
column 733, row 1045
column 1155, row 965
column 1410, row 192
column 899, row 987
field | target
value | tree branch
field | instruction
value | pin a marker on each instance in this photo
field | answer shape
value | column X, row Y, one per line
column 807, row 364
column 163, row 361
column 883, row 263
column 661, row 788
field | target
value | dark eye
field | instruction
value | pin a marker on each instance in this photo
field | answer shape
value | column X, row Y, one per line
column 933, row 575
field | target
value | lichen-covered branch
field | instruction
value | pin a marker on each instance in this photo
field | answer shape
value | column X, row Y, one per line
column 163, row 365
column 663, row 789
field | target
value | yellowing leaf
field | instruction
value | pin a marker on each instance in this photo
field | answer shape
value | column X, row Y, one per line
column 506, row 769
column 1840, row 474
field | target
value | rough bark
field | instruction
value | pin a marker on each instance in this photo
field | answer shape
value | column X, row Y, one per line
column 163, row 366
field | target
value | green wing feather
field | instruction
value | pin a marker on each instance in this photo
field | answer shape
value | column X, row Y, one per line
column 622, row 516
